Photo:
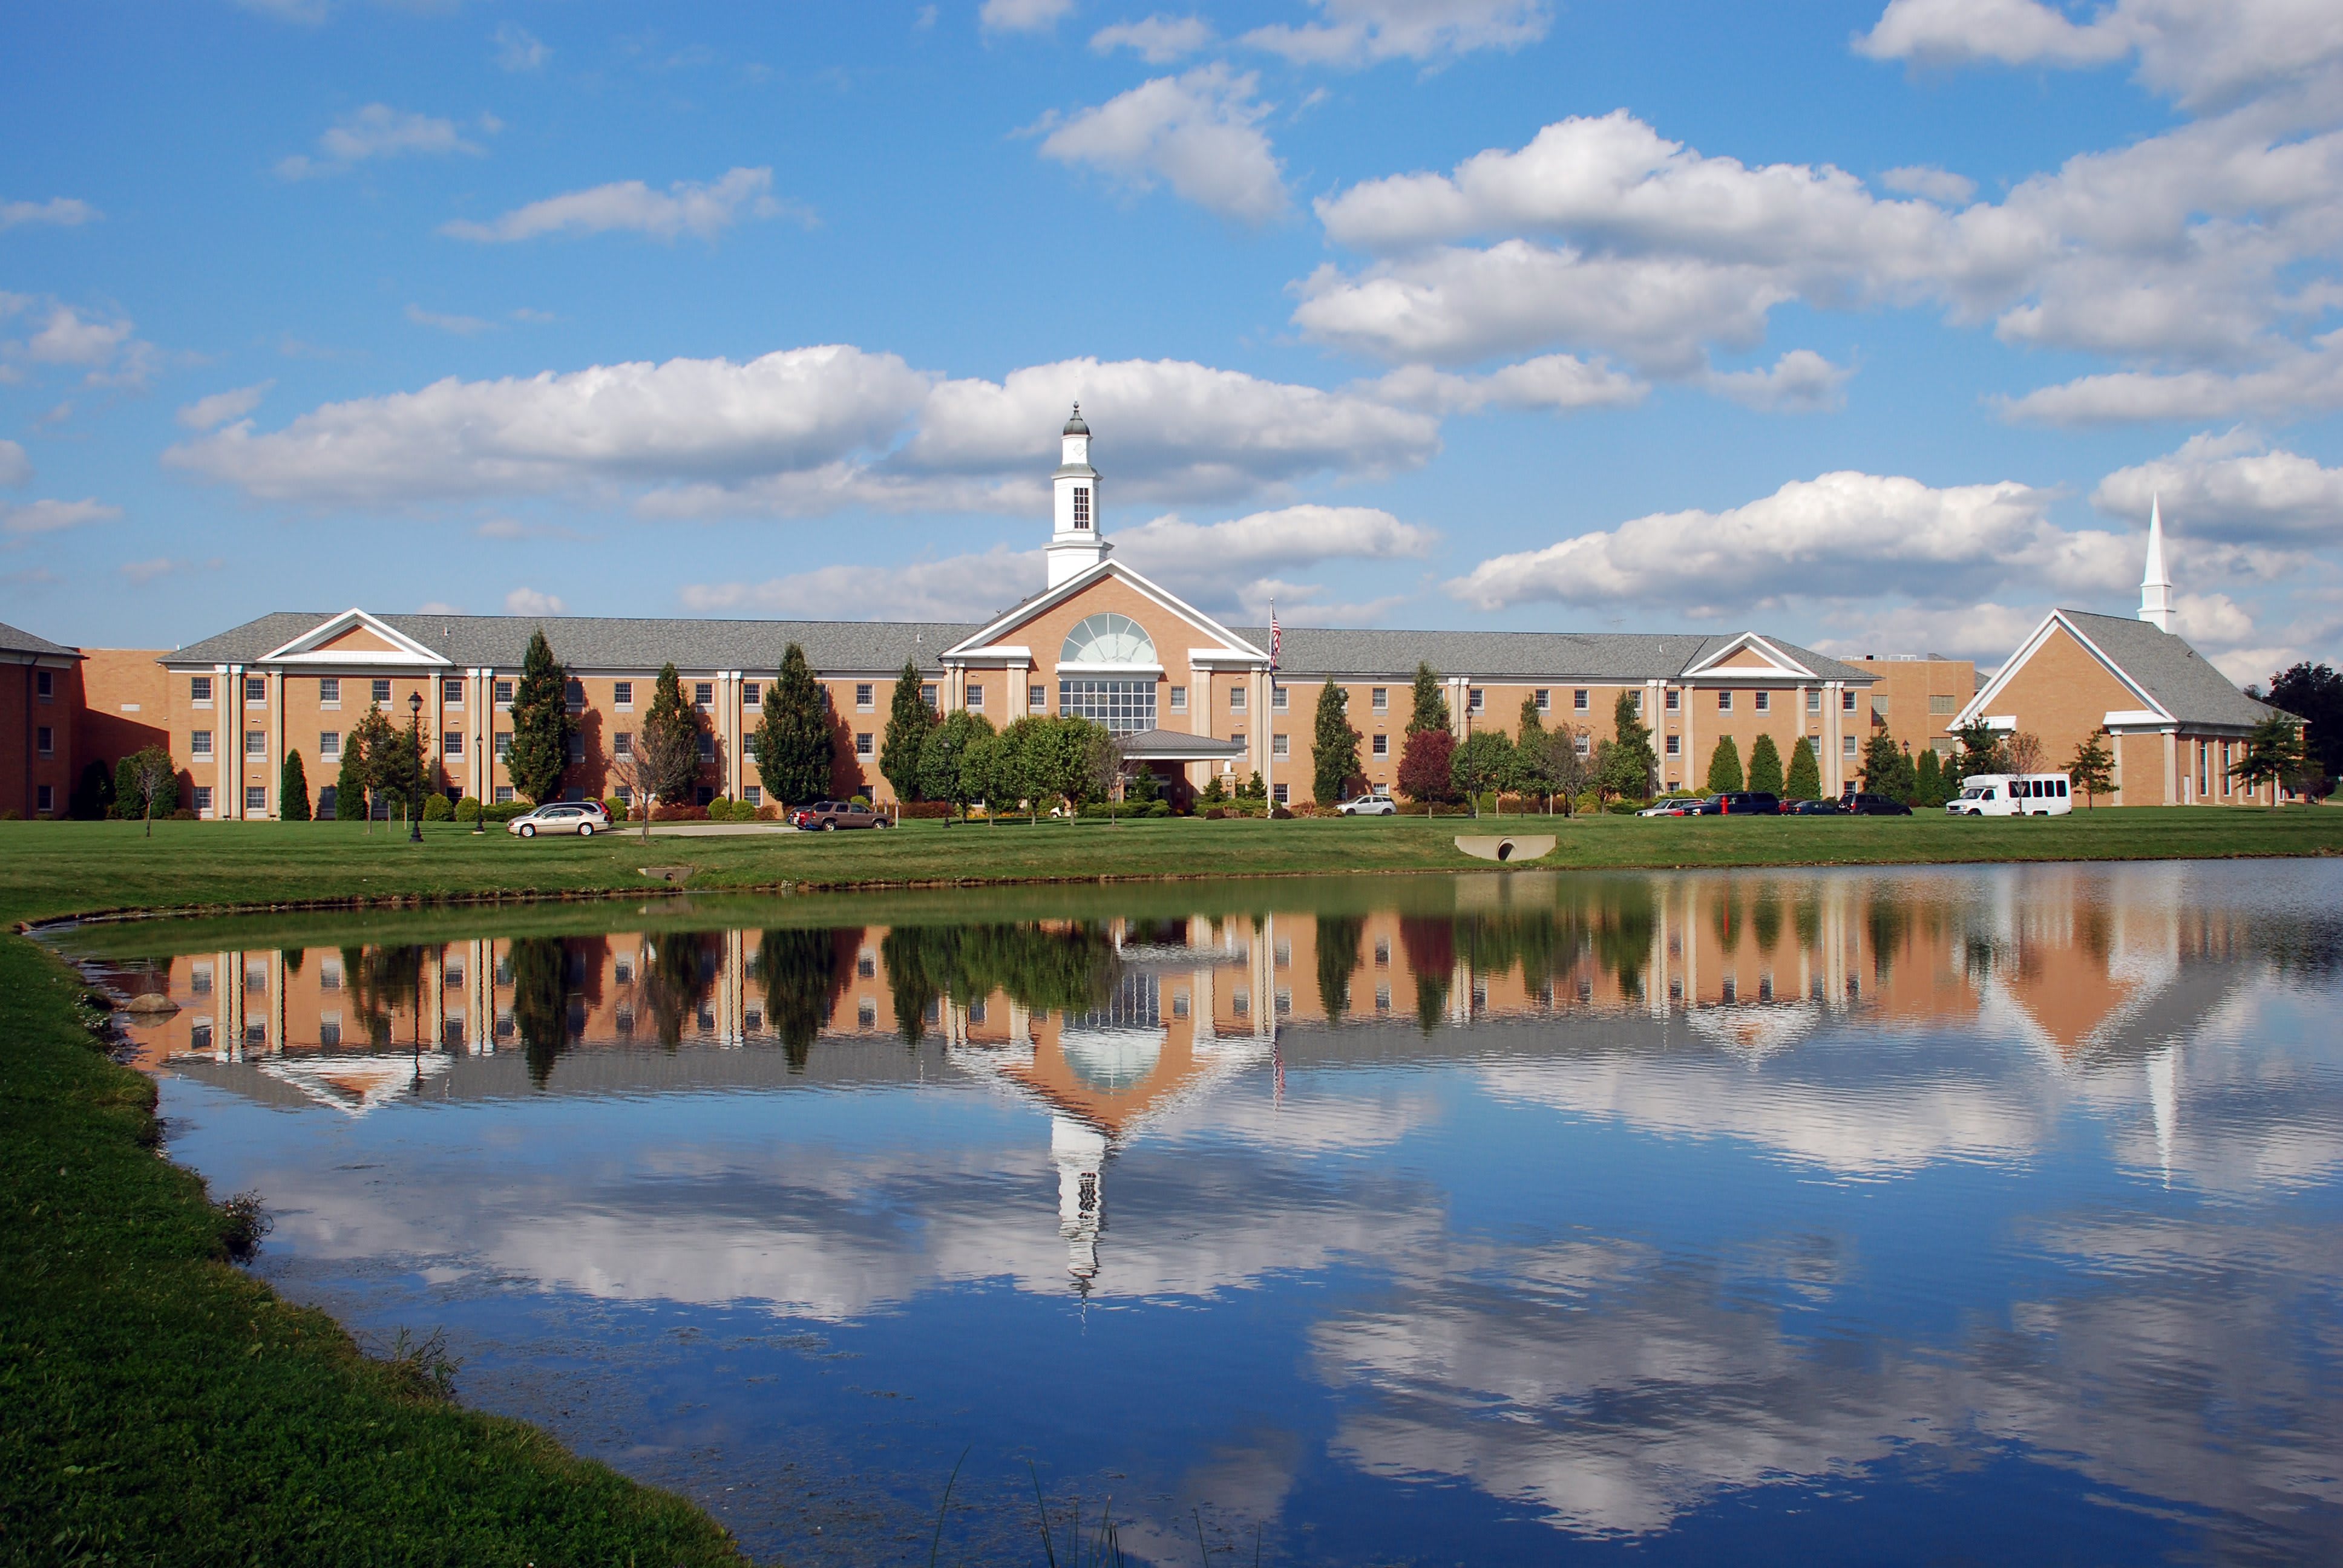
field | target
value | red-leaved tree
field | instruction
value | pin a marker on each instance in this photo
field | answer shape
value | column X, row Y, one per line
column 1425, row 765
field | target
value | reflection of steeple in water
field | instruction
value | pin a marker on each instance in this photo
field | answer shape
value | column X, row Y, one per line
column 1080, row 1153
column 2164, row 1102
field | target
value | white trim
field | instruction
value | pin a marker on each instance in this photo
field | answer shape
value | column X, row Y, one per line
column 1085, row 667
column 2134, row 717
column 1043, row 602
column 2032, row 646
column 405, row 650
column 1783, row 664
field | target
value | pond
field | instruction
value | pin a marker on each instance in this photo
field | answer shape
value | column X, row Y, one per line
column 1978, row 1214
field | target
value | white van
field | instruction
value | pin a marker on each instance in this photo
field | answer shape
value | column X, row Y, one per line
column 2012, row 795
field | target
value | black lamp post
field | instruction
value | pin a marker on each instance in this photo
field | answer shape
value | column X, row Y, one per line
column 415, row 739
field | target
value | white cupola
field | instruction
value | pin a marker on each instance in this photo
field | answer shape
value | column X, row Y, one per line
column 2155, row 582
column 1076, row 544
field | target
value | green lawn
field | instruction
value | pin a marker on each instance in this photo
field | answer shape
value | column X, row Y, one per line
column 51, row 869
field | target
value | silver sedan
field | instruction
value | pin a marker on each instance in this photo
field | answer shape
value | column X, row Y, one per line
column 582, row 817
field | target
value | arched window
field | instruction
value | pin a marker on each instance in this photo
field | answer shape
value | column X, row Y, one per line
column 1108, row 639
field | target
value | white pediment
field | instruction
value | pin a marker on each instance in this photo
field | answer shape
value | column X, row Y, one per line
column 315, row 646
column 987, row 639
column 1774, row 662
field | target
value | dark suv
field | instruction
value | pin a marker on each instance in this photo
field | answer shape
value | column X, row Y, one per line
column 1748, row 803
column 1859, row 804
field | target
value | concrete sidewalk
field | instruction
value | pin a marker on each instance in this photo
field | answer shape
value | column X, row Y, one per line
column 702, row 830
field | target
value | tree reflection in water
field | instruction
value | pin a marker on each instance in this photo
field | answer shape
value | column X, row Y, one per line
column 1068, row 966
column 1339, row 937
column 678, row 972
column 804, row 972
column 540, row 1008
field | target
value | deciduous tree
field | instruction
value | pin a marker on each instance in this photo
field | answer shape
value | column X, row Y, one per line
column 2314, row 694
column 951, row 760
column 541, row 725
column 1424, row 766
column 2092, row 769
column 1479, row 763
column 663, row 766
column 2273, row 753
column 145, row 782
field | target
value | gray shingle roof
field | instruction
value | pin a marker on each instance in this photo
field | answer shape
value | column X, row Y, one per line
column 2175, row 674
column 1602, row 657
column 13, row 640
column 610, row 642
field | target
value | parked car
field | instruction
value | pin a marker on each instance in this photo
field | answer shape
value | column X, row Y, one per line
column 2012, row 795
column 583, row 818
column 1812, row 809
column 1681, row 806
column 829, row 816
column 1373, row 803
column 1857, row 803
column 1748, row 803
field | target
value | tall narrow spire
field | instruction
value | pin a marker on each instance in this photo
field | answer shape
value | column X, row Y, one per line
column 2155, row 582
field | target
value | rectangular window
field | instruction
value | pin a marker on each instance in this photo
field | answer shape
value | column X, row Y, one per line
column 504, row 744
column 504, row 794
column 1123, row 705
column 1279, row 791
column 1081, row 505
column 1383, row 746
column 706, row 746
column 1846, row 747
column 1675, row 699
column 504, row 693
column 573, row 751
column 329, row 691
column 256, row 800
column 1943, row 706
column 256, row 689
column 44, row 741
column 1179, row 700
column 574, row 694
column 1584, row 744
column 1279, row 747
column 1037, row 699
column 862, row 743
column 1765, row 701
column 44, row 798
column 1236, row 700
column 975, row 699
column 199, row 690
column 1725, row 702
column 753, row 794
column 329, row 743
column 1236, row 737
column 199, row 743
column 1544, row 700
column 1813, row 701
column 865, row 697
column 928, row 694
column 255, row 743
column 1277, row 699
column 45, row 684
column 752, row 694
column 622, row 693
column 625, row 796
column 381, row 691
column 622, row 744
column 203, row 799
column 1379, row 698
column 452, row 691
column 1579, row 699
column 1675, row 746
column 1846, row 702
column 1879, row 704
column 452, row 743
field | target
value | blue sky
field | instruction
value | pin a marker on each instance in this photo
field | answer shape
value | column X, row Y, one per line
column 1873, row 325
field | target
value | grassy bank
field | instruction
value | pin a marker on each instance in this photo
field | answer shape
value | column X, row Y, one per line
column 163, row 1407
column 51, row 869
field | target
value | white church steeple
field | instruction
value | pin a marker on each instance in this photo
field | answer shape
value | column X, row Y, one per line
column 1075, row 545
column 2155, row 582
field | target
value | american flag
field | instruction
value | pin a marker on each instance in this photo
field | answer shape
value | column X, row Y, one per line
column 1276, row 637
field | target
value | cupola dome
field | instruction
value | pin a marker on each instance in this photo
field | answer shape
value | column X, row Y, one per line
column 1074, row 426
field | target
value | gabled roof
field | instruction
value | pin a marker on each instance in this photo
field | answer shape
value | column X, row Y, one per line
column 311, row 646
column 1009, row 620
column 24, row 643
column 2169, row 677
column 1600, row 657
column 610, row 642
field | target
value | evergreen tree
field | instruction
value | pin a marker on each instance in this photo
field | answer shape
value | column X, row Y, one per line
column 366, row 755
column 2093, row 769
column 1431, row 707
column 1334, row 747
column 909, row 721
column 1981, row 750
column 1724, row 767
column 1531, row 772
column 666, row 749
column 1629, row 768
column 1804, row 781
column 1766, row 767
column 93, row 795
column 293, row 790
column 541, row 725
column 793, row 743
column 1928, row 780
column 350, row 777
column 2272, row 754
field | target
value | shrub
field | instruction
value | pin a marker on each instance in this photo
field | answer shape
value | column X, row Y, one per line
column 1623, row 808
column 862, row 800
column 1099, row 810
column 678, row 813
column 720, row 809
column 1214, row 814
column 436, row 808
column 615, row 808
column 505, row 810
column 933, row 810
column 184, row 814
column 769, row 812
column 467, row 809
column 1281, row 814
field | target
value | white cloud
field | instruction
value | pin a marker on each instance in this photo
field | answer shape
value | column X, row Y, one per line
column 111, row 355
column 1306, row 604
column 1800, row 382
column 438, row 607
column 15, row 468
column 961, row 587
column 461, row 325
column 1934, row 184
column 2297, row 381
column 1159, row 40
column 1174, row 548
column 1845, row 536
column 1984, row 632
column 2231, row 488
column 517, row 48
column 1561, row 382
column 147, row 571
column 1356, row 33
column 376, row 131
column 529, row 601
column 514, row 529
column 1964, row 32
column 1023, row 15
column 1199, row 133
column 54, row 517
column 57, row 212
column 220, row 407
column 704, row 210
